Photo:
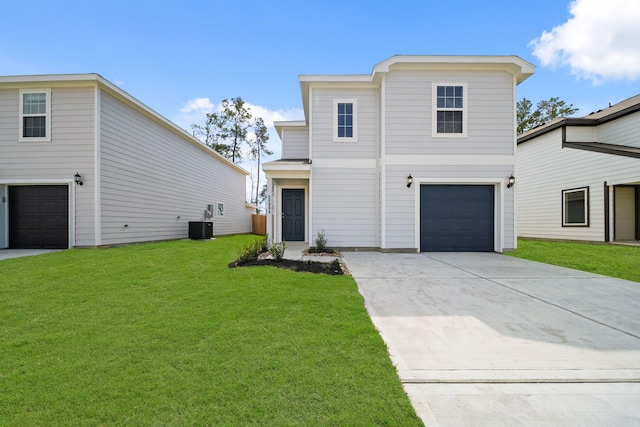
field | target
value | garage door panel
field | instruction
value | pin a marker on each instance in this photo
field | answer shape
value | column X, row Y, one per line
column 457, row 218
column 38, row 217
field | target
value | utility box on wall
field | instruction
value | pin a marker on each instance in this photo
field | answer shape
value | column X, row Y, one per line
column 200, row 230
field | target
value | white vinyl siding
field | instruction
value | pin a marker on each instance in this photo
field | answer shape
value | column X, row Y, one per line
column 345, row 206
column 580, row 134
column 154, row 181
column 401, row 201
column 70, row 150
column 622, row 131
column 489, row 108
column 295, row 143
column 544, row 169
column 323, row 124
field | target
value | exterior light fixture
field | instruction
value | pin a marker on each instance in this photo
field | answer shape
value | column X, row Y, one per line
column 409, row 181
column 78, row 179
column 512, row 180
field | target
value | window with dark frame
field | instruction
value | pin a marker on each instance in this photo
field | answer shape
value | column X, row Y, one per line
column 449, row 109
column 575, row 207
column 345, row 120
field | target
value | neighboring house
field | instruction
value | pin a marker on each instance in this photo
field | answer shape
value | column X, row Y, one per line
column 142, row 177
column 415, row 156
column 579, row 178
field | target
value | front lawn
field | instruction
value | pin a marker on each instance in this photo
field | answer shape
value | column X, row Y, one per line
column 167, row 334
column 609, row 260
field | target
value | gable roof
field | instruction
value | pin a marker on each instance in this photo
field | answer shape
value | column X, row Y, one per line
column 92, row 79
column 515, row 65
column 616, row 111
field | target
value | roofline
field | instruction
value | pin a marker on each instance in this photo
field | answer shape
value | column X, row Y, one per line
column 515, row 65
column 576, row 121
column 281, row 125
column 97, row 79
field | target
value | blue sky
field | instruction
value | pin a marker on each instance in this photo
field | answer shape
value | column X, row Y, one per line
column 181, row 58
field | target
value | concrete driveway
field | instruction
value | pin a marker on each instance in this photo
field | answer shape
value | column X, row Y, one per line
column 487, row 339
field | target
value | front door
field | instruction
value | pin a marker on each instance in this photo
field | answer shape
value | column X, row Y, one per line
column 293, row 215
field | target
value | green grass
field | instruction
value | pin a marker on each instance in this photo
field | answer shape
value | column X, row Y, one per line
column 166, row 334
column 609, row 260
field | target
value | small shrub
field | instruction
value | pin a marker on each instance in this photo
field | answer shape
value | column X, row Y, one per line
column 321, row 241
column 333, row 265
column 277, row 250
column 252, row 250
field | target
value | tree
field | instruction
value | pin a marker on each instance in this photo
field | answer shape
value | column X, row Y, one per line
column 545, row 111
column 257, row 147
column 226, row 131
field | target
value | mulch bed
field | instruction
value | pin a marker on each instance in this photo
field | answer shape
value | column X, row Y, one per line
column 294, row 265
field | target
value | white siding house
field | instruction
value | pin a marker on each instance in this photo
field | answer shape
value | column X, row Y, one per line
column 415, row 156
column 579, row 178
column 143, row 178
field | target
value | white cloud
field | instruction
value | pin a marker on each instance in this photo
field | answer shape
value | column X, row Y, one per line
column 197, row 106
column 600, row 42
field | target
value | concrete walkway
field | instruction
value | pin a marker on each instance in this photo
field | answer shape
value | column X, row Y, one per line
column 487, row 339
column 17, row 253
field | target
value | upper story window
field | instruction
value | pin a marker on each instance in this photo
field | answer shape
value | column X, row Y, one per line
column 35, row 115
column 575, row 207
column 345, row 126
column 450, row 114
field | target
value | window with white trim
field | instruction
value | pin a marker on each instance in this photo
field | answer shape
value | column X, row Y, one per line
column 449, row 112
column 345, row 116
column 575, row 207
column 35, row 115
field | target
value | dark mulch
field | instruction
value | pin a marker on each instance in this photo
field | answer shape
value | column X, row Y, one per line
column 331, row 268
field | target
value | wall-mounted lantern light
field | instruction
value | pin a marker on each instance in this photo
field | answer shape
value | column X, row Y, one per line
column 409, row 181
column 78, row 179
column 512, row 180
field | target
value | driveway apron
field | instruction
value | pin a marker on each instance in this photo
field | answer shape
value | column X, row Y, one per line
column 487, row 339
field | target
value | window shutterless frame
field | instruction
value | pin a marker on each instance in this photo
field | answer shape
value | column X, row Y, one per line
column 35, row 115
column 575, row 207
column 449, row 110
column 345, row 120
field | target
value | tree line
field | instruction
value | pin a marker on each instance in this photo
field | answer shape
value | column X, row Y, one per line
column 230, row 130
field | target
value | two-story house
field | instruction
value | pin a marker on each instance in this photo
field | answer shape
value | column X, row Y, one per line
column 419, row 155
column 579, row 178
column 83, row 163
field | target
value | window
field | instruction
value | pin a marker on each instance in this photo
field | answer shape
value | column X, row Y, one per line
column 35, row 117
column 220, row 209
column 575, row 207
column 345, row 127
column 449, row 116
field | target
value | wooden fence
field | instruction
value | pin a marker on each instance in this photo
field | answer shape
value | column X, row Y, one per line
column 259, row 224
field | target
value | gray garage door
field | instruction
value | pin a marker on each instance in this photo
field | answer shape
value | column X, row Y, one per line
column 38, row 217
column 456, row 218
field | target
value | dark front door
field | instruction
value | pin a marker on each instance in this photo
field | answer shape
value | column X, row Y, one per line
column 39, row 217
column 293, row 215
column 456, row 218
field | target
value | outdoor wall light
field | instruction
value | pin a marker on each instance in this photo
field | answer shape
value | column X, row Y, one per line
column 512, row 180
column 78, row 179
column 409, row 181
